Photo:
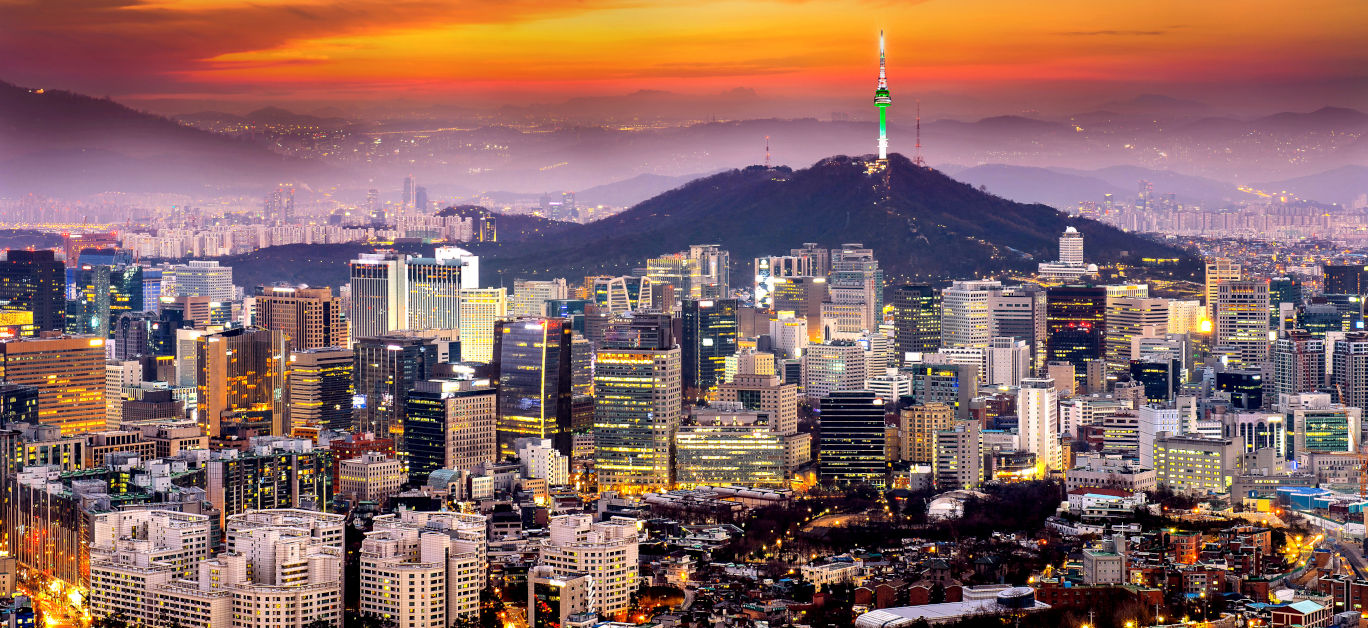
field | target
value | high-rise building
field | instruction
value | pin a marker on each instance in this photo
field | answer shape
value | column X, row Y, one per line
column 310, row 317
column 834, row 366
column 606, row 552
column 1195, row 465
column 273, row 472
column 379, row 295
column 532, row 357
column 1349, row 369
column 1242, row 320
column 767, row 394
column 409, row 191
column 321, row 388
column 1346, row 279
column 434, row 293
column 920, row 423
column 554, row 598
column 1019, row 312
column 469, row 262
column 480, row 309
column 638, row 392
column 35, row 281
column 1076, row 326
column 450, row 424
column 916, row 321
column 951, row 384
column 713, row 278
column 371, row 477
column 424, row 570
column 87, row 305
column 199, row 278
column 710, row 330
column 1129, row 318
column 1298, row 363
column 723, row 447
column 241, row 380
column 857, row 280
column 69, row 373
column 386, row 368
column 965, row 314
column 852, row 439
column 803, row 296
column 132, row 334
column 530, row 296
column 1006, row 362
column 1038, row 415
column 1218, row 270
column 958, row 462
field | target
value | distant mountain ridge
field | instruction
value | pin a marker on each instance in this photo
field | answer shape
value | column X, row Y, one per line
column 62, row 143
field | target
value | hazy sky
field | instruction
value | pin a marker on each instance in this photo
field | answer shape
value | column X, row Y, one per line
column 1017, row 53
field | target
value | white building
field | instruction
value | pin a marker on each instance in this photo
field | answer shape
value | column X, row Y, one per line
column 373, row 477
column 540, row 460
column 606, row 552
column 1007, row 361
column 833, row 367
column 965, row 315
column 1038, row 412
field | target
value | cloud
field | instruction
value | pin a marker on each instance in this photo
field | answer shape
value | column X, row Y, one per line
column 1114, row 33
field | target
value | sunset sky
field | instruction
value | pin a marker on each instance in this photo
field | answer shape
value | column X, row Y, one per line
column 1293, row 54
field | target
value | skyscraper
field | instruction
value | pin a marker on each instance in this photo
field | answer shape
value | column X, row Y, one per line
column 713, row 266
column 857, row 280
column 200, row 278
column 311, row 317
column 87, row 305
column 386, row 368
column 450, row 424
column 532, row 357
column 1242, row 320
column 965, row 314
column 637, row 408
column 1349, row 377
column 433, row 287
column 379, row 297
column 916, row 321
column 35, row 281
column 1076, row 326
column 1346, row 279
column 1298, row 363
column 882, row 100
column 1127, row 318
column 409, row 192
column 241, row 380
column 852, row 437
column 1038, row 415
column 1217, row 271
column 480, row 309
column 709, row 335
column 69, row 373
column 321, row 388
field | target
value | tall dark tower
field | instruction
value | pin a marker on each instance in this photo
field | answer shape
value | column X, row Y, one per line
column 882, row 100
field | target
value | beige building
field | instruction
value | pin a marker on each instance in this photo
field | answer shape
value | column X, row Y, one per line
column 767, row 394
column 606, row 552
column 373, row 477
column 918, row 428
column 310, row 317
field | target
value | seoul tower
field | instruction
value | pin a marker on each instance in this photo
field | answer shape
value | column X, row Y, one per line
column 882, row 100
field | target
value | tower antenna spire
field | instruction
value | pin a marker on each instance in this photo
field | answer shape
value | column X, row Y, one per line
column 882, row 100
column 767, row 153
column 917, row 157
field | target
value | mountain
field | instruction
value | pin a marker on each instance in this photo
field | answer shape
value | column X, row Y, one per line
column 1341, row 185
column 922, row 225
column 1026, row 184
column 1064, row 187
column 1323, row 119
column 61, row 143
column 511, row 227
column 631, row 191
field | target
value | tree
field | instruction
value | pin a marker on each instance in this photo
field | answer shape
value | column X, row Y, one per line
column 116, row 620
column 319, row 623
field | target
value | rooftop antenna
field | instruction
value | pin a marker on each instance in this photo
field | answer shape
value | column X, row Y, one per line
column 917, row 156
column 767, row 153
